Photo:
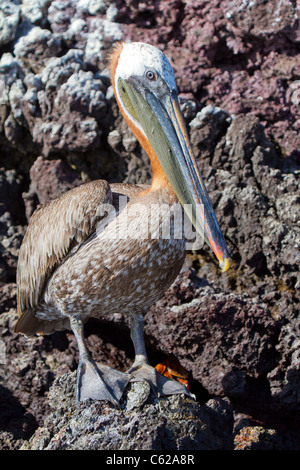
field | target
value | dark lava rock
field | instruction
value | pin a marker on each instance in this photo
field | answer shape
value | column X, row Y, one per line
column 48, row 180
column 237, row 65
column 226, row 341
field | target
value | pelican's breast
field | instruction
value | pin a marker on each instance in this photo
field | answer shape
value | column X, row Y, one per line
column 125, row 267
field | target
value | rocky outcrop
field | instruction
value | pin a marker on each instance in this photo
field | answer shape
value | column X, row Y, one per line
column 237, row 67
column 174, row 423
column 10, row 13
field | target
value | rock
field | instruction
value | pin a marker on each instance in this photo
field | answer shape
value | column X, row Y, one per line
column 230, row 345
column 255, row 438
column 49, row 179
column 36, row 48
column 83, row 25
column 284, row 378
column 11, row 234
column 241, row 148
column 9, row 20
column 237, row 67
column 63, row 93
column 50, row 78
column 35, row 11
column 172, row 423
column 10, row 78
column 25, row 377
column 241, row 57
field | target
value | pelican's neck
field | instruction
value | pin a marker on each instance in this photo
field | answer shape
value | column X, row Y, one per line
column 159, row 178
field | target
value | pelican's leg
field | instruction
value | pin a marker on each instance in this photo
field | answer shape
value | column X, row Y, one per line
column 95, row 381
column 141, row 369
column 137, row 337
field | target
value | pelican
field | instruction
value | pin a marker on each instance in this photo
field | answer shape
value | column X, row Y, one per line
column 86, row 254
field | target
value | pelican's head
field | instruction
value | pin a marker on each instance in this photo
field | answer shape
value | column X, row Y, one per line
column 145, row 89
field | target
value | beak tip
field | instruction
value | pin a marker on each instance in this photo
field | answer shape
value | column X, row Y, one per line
column 225, row 264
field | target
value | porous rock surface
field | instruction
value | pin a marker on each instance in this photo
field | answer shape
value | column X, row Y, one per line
column 172, row 423
column 237, row 66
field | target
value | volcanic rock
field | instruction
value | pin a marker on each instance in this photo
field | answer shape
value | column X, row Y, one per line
column 237, row 67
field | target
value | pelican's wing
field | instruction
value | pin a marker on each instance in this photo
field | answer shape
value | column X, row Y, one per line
column 54, row 229
column 127, row 191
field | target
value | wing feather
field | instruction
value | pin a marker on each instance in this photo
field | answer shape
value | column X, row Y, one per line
column 54, row 229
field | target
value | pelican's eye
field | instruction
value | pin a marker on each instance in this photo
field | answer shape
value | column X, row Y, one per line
column 151, row 75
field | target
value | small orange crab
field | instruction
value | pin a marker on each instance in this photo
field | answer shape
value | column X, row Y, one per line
column 172, row 369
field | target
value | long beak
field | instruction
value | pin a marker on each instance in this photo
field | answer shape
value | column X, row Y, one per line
column 163, row 123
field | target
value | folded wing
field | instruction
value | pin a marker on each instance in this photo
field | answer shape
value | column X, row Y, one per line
column 55, row 228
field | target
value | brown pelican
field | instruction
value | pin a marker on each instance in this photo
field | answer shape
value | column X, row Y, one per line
column 87, row 255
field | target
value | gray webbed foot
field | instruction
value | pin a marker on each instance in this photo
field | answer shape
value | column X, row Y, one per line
column 141, row 370
column 161, row 385
column 99, row 382
column 95, row 381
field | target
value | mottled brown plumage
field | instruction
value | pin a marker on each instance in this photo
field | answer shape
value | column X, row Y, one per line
column 54, row 229
column 67, row 265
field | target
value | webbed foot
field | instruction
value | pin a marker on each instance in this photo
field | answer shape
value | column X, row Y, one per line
column 99, row 382
column 141, row 370
column 95, row 381
column 160, row 384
